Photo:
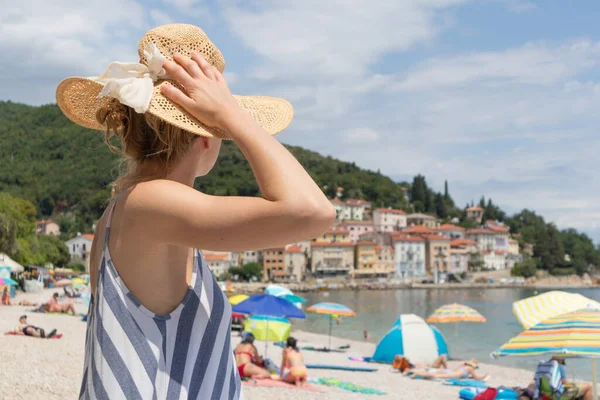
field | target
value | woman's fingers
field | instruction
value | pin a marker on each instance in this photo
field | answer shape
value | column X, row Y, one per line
column 177, row 72
column 189, row 65
column 177, row 96
column 207, row 69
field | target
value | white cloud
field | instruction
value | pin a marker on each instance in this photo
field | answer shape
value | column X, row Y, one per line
column 360, row 136
column 160, row 18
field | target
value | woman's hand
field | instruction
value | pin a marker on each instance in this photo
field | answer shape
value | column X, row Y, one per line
column 207, row 96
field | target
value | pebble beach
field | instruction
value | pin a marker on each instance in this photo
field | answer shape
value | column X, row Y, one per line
column 33, row 368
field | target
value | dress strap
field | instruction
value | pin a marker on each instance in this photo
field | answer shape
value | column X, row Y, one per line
column 111, row 210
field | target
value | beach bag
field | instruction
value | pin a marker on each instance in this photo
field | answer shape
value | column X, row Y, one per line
column 548, row 380
column 400, row 363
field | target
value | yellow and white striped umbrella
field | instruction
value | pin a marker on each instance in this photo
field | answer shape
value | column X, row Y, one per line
column 533, row 310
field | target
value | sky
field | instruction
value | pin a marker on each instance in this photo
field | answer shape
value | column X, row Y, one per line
column 499, row 97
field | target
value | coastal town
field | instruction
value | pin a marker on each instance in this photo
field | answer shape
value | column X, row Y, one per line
column 366, row 243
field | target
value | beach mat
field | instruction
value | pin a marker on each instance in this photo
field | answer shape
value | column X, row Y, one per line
column 276, row 383
column 57, row 336
column 340, row 368
column 346, row 386
column 465, row 383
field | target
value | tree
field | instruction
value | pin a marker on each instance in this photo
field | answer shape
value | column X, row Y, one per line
column 525, row 269
column 53, row 250
column 247, row 271
column 8, row 234
column 419, row 190
column 446, row 194
column 440, row 206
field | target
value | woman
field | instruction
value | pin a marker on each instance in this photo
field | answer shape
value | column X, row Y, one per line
column 248, row 361
column 466, row 371
column 6, row 297
column 158, row 323
column 293, row 361
column 53, row 305
column 404, row 365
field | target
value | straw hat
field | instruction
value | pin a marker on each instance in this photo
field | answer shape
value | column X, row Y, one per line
column 473, row 363
column 79, row 100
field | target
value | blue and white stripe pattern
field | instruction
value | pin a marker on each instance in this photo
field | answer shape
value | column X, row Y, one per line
column 132, row 353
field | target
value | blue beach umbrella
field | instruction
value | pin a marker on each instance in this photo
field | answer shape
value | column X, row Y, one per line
column 265, row 304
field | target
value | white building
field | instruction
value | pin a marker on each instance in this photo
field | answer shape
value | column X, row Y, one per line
column 501, row 239
column 495, row 260
column 388, row 220
column 80, row 247
column 485, row 238
column 459, row 260
column 357, row 228
column 342, row 211
column 418, row 219
column 249, row 256
column 356, row 209
column 295, row 263
column 409, row 254
column 218, row 262
column 450, row 231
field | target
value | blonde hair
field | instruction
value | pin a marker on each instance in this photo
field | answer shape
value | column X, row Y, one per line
column 148, row 145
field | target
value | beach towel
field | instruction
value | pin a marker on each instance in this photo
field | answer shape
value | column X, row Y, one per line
column 276, row 383
column 465, row 382
column 345, row 385
column 338, row 349
column 340, row 368
column 12, row 333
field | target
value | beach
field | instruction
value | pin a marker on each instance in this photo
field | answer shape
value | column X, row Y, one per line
column 33, row 368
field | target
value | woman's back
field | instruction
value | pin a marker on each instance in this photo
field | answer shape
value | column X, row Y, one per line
column 133, row 353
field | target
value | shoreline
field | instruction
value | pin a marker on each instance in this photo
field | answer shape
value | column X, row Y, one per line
column 259, row 287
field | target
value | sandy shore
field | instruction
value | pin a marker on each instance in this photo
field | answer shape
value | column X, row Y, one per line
column 51, row 369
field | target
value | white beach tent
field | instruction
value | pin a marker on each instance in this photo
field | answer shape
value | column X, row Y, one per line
column 6, row 261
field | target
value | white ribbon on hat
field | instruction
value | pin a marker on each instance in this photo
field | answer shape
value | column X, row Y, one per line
column 133, row 83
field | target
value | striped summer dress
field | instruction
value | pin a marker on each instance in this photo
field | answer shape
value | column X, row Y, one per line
column 132, row 353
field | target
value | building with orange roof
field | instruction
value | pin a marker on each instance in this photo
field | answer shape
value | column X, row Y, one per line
column 501, row 234
column 357, row 228
column 218, row 262
column 336, row 233
column 388, row 220
column 475, row 213
column 417, row 219
column 295, row 262
column 418, row 230
column 409, row 256
column 356, row 209
column 450, row 231
column 47, row 227
column 485, row 238
column 79, row 249
column 332, row 258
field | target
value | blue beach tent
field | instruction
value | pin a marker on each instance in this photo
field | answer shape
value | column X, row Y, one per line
column 413, row 338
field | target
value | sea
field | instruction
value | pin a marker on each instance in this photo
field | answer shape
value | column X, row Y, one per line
column 377, row 310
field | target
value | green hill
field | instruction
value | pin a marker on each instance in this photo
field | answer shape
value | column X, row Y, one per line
column 65, row 170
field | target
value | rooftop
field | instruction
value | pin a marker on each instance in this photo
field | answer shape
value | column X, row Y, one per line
column 450, row 227
column 294, row 249
column 390, row 211
column 88, row 236
column 434, row 237
column 45, row 221
column 406, row 238
column 417, row 229
column 462, row 242
column 480, row 231
column 475, row 208
column 420, row 216
column 333, row 244
column 215, row 256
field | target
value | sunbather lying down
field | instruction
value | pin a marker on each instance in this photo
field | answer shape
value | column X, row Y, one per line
column 404, row 365
column 467, row 370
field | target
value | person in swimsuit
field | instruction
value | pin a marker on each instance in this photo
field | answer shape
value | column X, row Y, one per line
column 293, row 361
column 154, row 298
column 6, row 298
column 247, row 360
column 404, row 365
column 30, row 330
column 467, row 370
column 53, row 305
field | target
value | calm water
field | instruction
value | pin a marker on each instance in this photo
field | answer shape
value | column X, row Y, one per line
column 378, row 310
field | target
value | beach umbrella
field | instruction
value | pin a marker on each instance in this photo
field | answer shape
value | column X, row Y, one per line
column 574, row 334
column 63, row 282
column 333, row 310
column 265, row 304
column 276, row 290
column 7, row 281
column 533, row 310
column 294, row 299
column 455, row 313
column 238, row 298
column 272, row 329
